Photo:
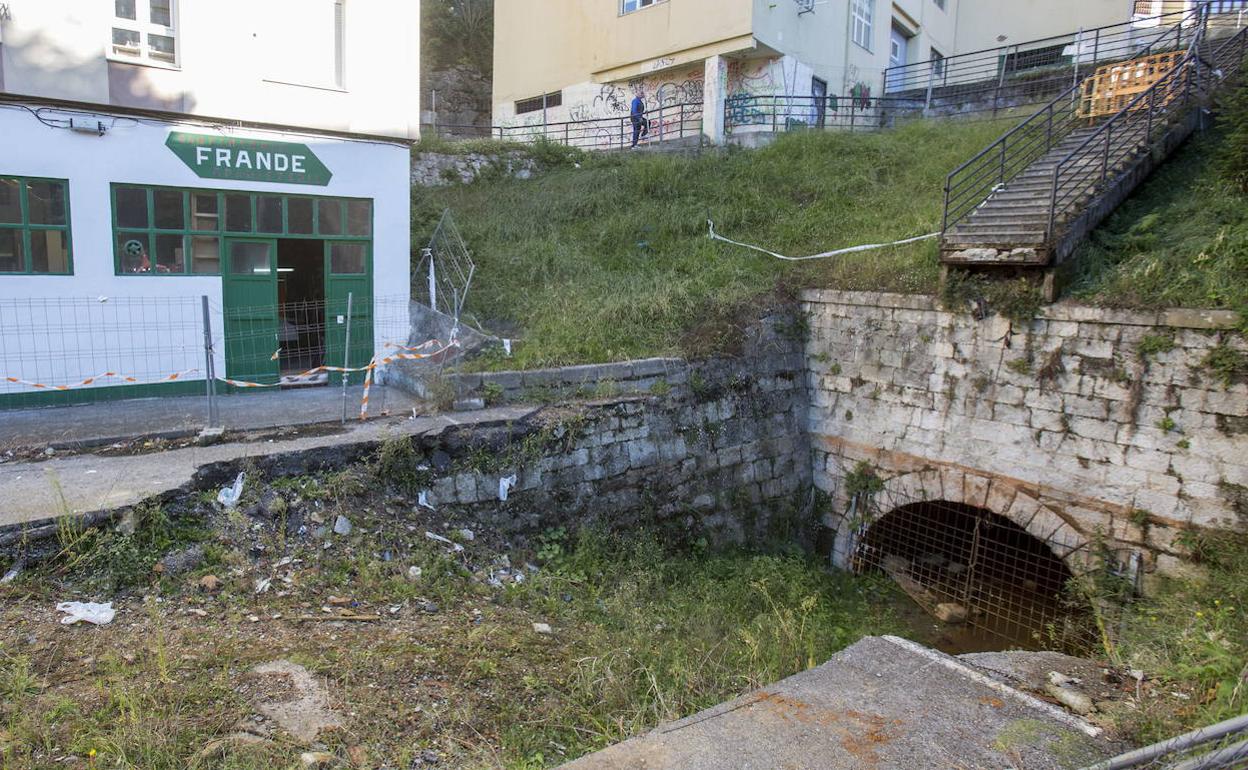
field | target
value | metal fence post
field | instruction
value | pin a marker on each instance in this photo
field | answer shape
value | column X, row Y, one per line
column 346, row 356
column 433, row 278
column 210, row 375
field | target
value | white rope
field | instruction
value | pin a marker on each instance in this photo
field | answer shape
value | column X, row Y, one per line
column 867, row 247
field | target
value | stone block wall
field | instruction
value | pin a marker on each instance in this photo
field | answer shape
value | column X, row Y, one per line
column 1085, row 424
column 718, row 445
column 434, row 169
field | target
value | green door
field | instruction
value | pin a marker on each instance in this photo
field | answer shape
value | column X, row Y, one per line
column 348, row 273
column 249, row 291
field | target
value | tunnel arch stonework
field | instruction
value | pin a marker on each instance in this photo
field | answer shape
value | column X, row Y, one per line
column 1070, row 424
column 953, row 486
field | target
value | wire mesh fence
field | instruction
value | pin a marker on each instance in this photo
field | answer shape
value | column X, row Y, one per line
column 445, row 269
column 193, row 361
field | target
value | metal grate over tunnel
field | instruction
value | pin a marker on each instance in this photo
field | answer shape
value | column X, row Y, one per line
column 968, row 565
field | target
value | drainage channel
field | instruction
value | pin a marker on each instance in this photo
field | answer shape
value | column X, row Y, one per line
column 992, row 584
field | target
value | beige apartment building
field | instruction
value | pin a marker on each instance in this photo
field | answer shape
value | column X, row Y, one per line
column 560, row 60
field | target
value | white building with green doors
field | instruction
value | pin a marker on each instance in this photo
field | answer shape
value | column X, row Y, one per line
column 151, row 153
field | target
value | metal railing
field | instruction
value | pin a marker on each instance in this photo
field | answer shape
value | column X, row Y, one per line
column 1030, row 72
column 1217, row 747
column 971, row 183
column 1089, row 167
column 780, row 112
column 662, row 124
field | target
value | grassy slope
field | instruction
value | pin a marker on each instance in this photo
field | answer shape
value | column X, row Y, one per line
column 1181, row 240
column 611, row 260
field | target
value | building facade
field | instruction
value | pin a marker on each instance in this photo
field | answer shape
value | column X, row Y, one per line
column 561, row 60
column 256, row 155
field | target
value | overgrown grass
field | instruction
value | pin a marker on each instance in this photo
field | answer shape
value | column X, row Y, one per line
column 1193, row 636
column 1180, row 241
column 644, row 631
column 666, row 634
column 611, row 260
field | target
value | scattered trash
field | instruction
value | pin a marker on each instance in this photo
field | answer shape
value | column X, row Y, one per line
column 427, row 606
column 198, row 612
column 543, row 628
column 950, row 612
column 209, row 583
column 414, row 573
column 229, row 496
column 507, row 342
column 468, row 535
column 254, row 618
column 90, row 612
column 342, row 525
column 423, row 500
column 316, row 758
column 1070, row 698
column 263, row 584
column 504, row 485
column 454, row 546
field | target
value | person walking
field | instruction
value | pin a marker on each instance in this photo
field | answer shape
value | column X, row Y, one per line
column 637, row 113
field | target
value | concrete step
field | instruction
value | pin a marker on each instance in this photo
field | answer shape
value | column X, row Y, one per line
column 882, row 703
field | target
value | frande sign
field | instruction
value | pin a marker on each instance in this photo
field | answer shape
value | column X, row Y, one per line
column 223, row 157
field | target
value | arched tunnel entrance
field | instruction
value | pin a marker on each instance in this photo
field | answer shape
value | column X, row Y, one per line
column 968, row 565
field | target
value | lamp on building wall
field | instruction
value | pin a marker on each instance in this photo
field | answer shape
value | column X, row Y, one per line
column 87, row 126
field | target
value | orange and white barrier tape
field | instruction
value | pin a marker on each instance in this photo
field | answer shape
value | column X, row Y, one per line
column 105, row 376
column 410, row 355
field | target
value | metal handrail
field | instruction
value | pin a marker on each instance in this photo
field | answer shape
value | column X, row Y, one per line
column 1111, row 41
column 1187, row 741
column 1187, row 69
column 960, row 192
column 673, row 121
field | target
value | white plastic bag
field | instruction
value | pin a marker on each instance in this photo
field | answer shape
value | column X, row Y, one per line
column 504, row 485
column 229, row 496
column 99, row 614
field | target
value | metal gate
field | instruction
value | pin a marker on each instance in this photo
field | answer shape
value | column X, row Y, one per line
column 967, row 564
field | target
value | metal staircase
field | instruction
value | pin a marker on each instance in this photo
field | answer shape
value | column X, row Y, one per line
column 1028, row 199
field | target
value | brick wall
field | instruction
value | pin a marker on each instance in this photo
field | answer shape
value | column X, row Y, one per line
column 1087, row 423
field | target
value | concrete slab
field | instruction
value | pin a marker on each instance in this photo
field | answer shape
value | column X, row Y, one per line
column 885, row 702
column 116, row 420
column 86, row 483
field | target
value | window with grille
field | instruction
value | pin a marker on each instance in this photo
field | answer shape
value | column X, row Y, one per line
column 863, row 18
column 145, row 31
column 539, row 103
column 170, row 231
column 34, row 226
column 628, row 6
column 938, row 63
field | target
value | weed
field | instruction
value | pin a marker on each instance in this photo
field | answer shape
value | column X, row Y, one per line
column 1226, row 363
column 1183, row 444
column 863, row 480
column 660, row 388
column 493, row 393
column 398, row 464
column 1019, row 365
column 1154, row 344
column 1166, row 424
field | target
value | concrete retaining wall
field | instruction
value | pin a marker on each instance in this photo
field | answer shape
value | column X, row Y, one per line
column 1086, row 424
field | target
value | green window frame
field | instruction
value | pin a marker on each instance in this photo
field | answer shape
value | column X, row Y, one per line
column 24, row 230
column 181, row 231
